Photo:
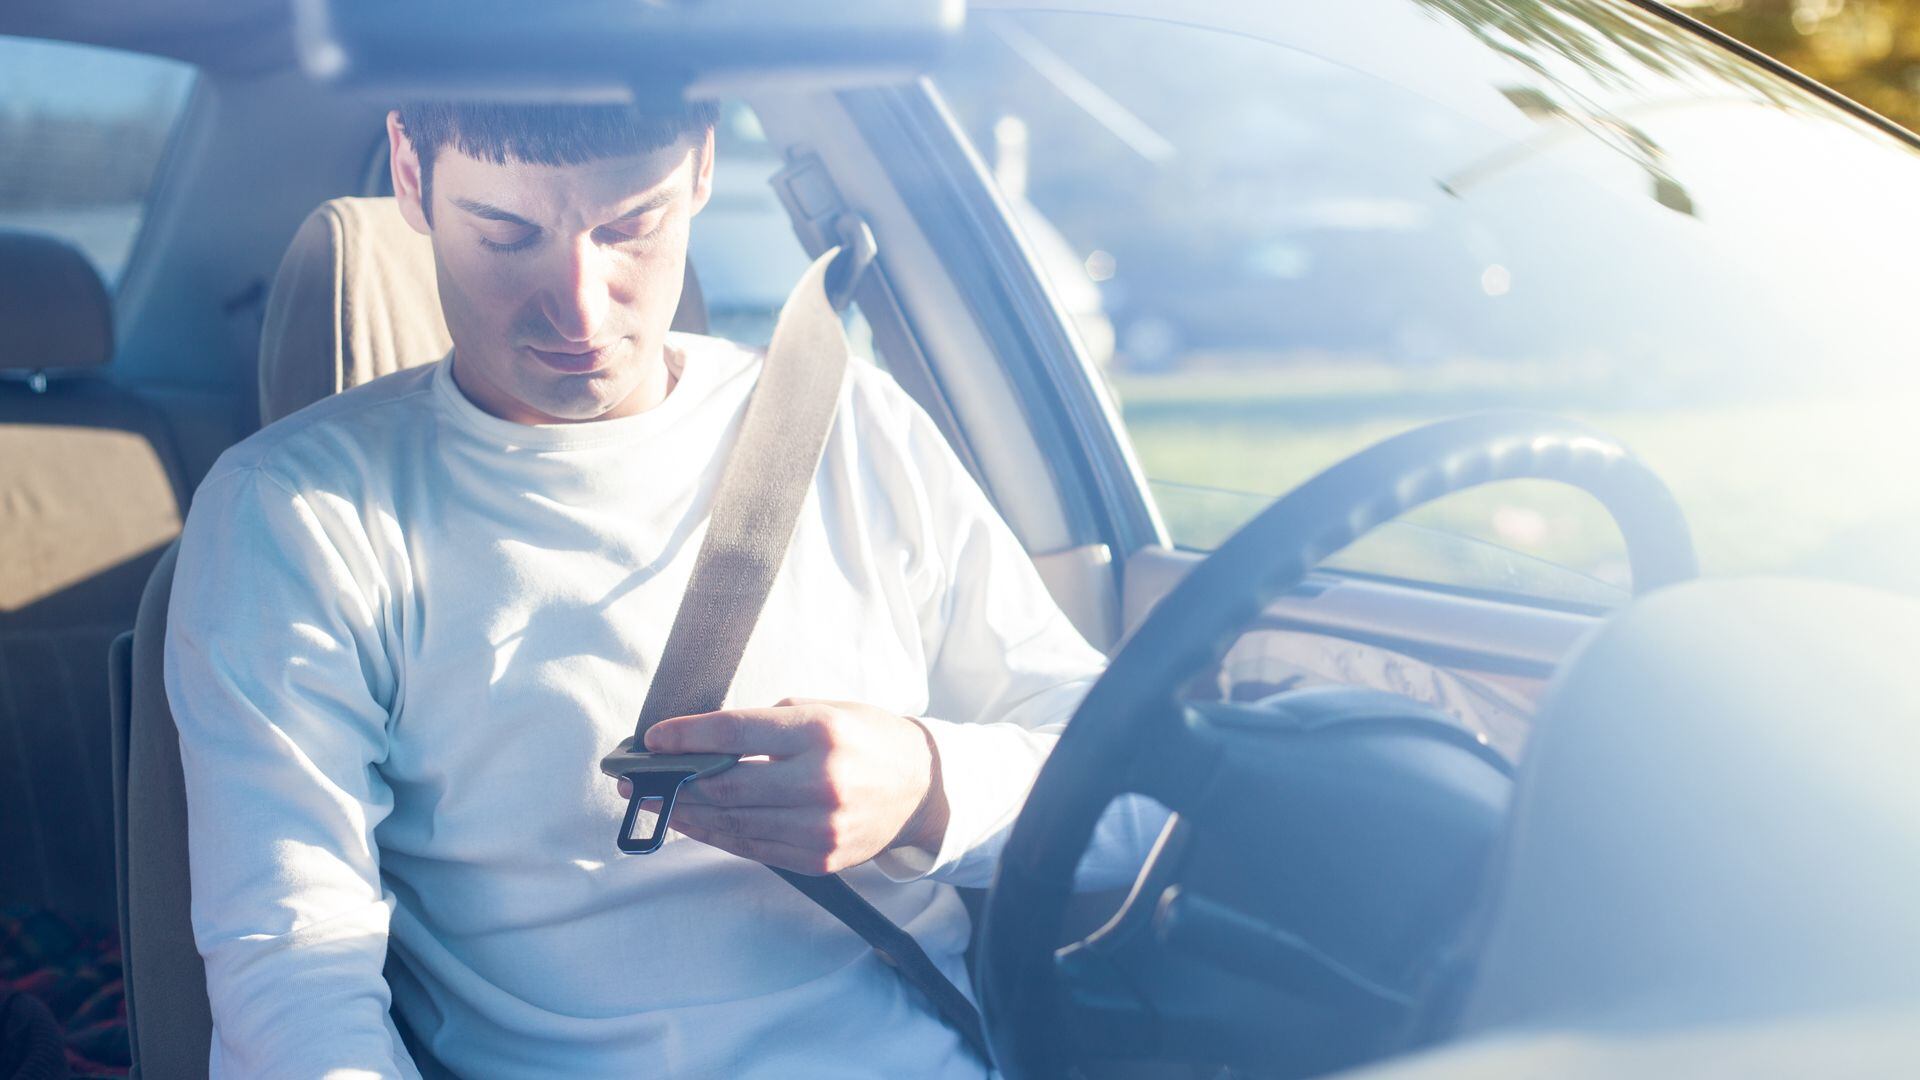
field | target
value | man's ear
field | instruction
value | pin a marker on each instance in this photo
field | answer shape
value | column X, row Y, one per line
column 405, row 163
column 703, row 177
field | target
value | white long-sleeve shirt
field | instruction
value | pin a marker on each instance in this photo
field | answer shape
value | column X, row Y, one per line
column 403, row 633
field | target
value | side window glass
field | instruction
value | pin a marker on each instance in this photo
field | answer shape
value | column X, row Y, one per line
column 1300, row 230
column 82, row 134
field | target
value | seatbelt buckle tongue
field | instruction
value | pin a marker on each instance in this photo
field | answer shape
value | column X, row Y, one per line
column 655, row 777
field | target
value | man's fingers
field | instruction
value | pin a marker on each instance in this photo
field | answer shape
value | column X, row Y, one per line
column 770, row 852
column 776, row 732
column 807, row 828
column 787, row 782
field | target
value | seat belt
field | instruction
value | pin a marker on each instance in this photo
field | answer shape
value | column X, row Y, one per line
column 765, row 481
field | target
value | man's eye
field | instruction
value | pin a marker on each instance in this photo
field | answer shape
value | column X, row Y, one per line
column 642, row 240
column 641, row 230
column 507, row 240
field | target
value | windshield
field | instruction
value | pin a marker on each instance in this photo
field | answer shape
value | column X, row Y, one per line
column 1305, row 227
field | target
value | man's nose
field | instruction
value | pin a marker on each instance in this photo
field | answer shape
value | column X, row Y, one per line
column 577, row 301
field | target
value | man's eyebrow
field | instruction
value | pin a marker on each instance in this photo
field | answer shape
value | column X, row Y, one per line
column 492, row 212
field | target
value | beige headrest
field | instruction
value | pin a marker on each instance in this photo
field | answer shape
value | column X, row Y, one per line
column 54, row 310
column 356, row 298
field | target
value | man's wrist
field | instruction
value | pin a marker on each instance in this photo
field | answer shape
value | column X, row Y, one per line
column 927, row 827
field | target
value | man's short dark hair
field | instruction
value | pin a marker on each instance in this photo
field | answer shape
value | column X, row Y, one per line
column 545, row 134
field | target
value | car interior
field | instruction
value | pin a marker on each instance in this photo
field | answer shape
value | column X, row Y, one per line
column 1543, row 838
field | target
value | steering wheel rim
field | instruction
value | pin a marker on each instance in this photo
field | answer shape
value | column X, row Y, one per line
column 1134, row 704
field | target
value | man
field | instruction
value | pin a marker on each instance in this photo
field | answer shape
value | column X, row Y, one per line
column 408, row 621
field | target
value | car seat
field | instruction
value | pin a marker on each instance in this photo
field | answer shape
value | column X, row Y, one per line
column 354, row 299
column 90, row 493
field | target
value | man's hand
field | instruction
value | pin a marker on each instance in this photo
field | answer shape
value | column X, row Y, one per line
column 843, row 782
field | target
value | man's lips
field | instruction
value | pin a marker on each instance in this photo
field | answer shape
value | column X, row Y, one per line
column 572, row 361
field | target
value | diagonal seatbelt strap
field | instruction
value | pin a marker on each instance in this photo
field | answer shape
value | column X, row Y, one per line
column 765, row 481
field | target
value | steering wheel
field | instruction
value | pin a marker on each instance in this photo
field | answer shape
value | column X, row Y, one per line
column 1132, row 734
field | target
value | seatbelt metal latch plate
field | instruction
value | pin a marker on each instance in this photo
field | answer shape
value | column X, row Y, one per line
column 655, row 776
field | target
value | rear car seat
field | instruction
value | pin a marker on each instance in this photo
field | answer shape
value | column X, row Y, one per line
column 91, row 492
column 354, row 299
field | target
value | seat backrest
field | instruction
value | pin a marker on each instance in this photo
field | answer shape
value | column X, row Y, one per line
column 171, row 1028
column 90, row 492
column 355, row 298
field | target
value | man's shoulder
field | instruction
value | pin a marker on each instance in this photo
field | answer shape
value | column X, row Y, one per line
column 879, row 407
column 342, row 433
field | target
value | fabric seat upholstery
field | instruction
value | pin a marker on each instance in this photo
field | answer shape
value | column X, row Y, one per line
column 355, row 298
column 90, row 493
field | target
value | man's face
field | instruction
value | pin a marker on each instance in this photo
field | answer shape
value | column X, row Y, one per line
column 558, row 281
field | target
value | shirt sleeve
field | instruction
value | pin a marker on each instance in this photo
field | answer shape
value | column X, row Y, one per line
column 279, row 683
column 1007, row 670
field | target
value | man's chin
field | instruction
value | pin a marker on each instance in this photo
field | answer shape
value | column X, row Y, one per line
column 576, row 408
